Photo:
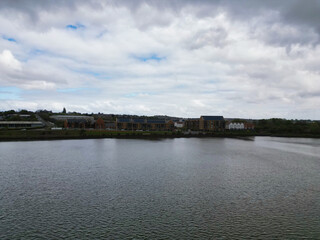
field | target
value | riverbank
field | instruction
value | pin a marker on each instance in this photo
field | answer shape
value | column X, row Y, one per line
column 34, row 135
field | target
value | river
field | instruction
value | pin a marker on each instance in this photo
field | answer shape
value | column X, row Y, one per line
column 184, row 188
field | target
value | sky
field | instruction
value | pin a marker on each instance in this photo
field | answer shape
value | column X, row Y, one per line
column 236, row 58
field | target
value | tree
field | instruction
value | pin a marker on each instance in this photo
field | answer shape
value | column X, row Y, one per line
column 100, row 123
column 64, row 110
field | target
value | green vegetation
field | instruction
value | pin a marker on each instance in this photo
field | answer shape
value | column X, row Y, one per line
column 76, row 134
column 264, row 127
column 33, row 134
column 22, row 115
column 290, row 127
column 45, row 115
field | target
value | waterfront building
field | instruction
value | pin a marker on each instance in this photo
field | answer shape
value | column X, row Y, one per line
column 74, row 121
column 179, row 124
column 235, row 126
column 110, row 125
column 239, row 126
column 143, row 124
column 20, row 124
column 249, row 126
column 212, row 123
column 100, row 123
column 71, row 118
column 77, row 123
column 192, row 124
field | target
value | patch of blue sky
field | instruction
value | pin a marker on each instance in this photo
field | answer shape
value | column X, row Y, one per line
column 217, row 91
column 130, row 95
column 75, row 26
column 10, row 93
column 91, row 73
column 76, row 90
column 180, row 86
column 150, row 57
column 213, row 81
column 71, row 26
column 138, row 94
column 209, row 91
column 37, row 52
column 101, row 34
column 34, row 53
column 10, row 39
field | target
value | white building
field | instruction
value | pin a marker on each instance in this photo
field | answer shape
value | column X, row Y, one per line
column 20, row 124
column 235, row 126
column 179, row 124
column 73, row 118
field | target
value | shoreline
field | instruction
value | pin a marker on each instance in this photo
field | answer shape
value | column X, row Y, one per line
column 45, row 135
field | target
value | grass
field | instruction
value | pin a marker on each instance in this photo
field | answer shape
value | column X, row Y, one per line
column 75, row 134
column 32, row 134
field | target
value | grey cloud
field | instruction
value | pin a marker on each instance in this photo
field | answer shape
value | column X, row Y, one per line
column 215, row 37
column 309, row 94
column 282, row 35
column 275, row 17
column 303, row 12
column 302, row 15
column 242, row 52
column 291, row 11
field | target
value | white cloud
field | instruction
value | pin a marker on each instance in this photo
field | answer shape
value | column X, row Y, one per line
column 8, row 61
column 185, row 59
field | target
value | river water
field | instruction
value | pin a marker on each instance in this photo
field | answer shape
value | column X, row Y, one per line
column 186, row 188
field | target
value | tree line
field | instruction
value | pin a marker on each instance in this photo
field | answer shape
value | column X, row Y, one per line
column 277, row 125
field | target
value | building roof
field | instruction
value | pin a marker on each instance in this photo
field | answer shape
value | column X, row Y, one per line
column 20, row 122
column 213, row 118
column 79, row 120
column 193, row 119
column 139, row 120
column 123, row 120
column 155, row 121
column 63, row 117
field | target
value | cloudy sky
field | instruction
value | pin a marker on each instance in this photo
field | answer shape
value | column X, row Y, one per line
column 250, row 59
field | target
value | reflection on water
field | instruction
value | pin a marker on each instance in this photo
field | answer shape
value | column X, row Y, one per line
column 307, row 146
column 175, row 188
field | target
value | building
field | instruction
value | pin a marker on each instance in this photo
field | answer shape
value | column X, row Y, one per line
column 100, row 123
column 110, row 125
column 192, row 124
column 249, row 126
column 143, row 124
column 235, row 126
column 239, row 126
column 20, row 124
column 72, row 117
column 74, row 121
column 179, row 123
column 211, row 123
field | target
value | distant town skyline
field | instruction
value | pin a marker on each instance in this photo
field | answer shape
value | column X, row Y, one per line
column 246, row 59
